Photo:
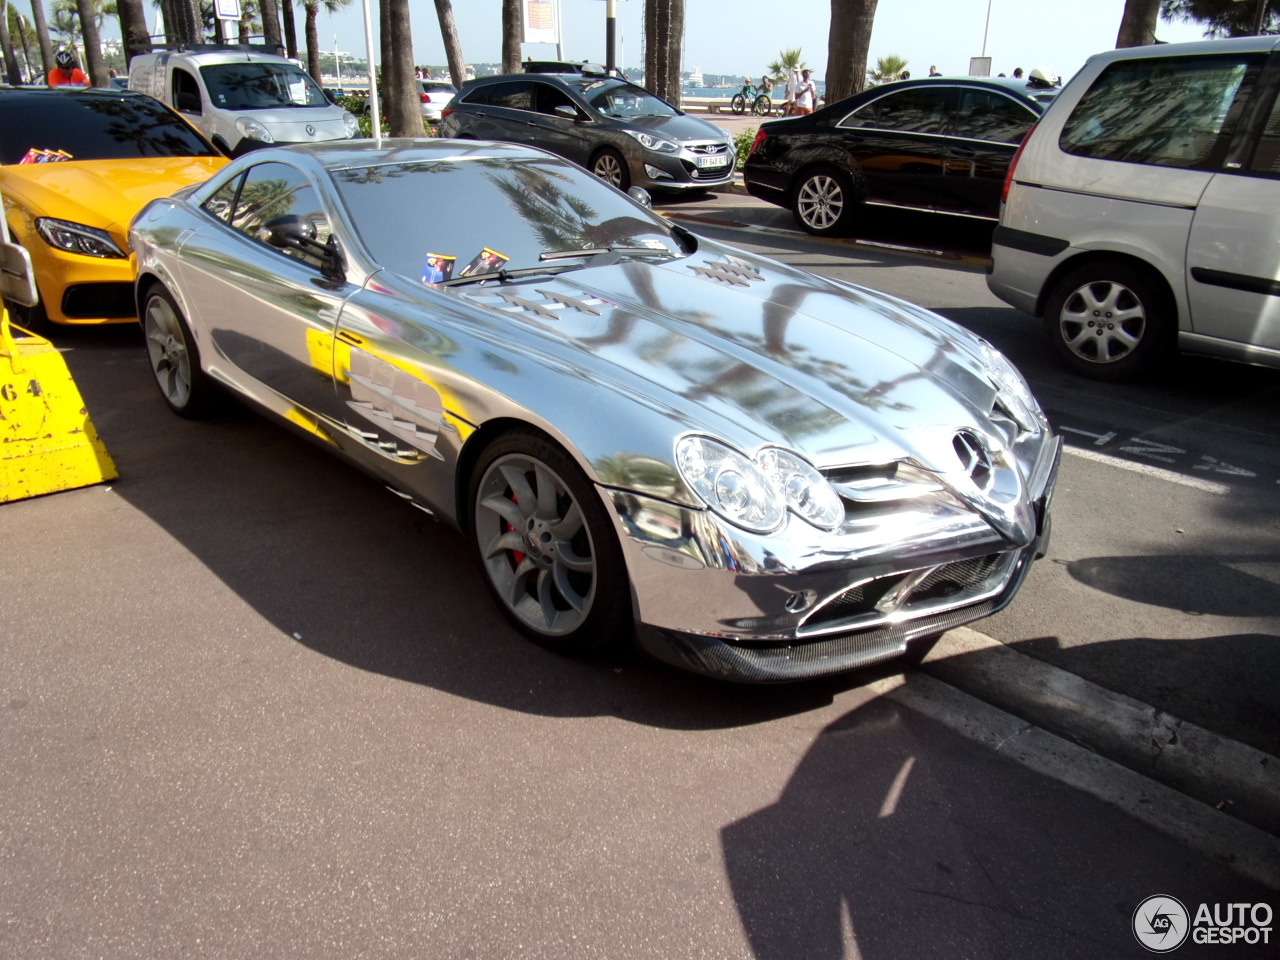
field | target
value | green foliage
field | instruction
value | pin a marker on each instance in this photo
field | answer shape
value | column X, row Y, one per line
column 742, row 144
column 780, row 69
column 887, row 68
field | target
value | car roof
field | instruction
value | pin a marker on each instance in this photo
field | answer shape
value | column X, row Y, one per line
column 577, row 82
column 1021, row 88
column 340, row 154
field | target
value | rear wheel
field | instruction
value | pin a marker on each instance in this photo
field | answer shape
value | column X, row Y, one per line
column 738, row 104
column 547, row 546
column 762, row 106
column 175, row 359
column 823, row 202
column 609, row 165
column 1109, row 320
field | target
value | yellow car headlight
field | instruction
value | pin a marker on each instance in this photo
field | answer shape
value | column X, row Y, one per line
column 78, row 238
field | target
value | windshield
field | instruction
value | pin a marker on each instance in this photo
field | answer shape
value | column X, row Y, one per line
column 447, row 219
column 261, row 86
column 44, row 127
column 625, row 100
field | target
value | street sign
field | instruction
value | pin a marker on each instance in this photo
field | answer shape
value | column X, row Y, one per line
column 226, row 9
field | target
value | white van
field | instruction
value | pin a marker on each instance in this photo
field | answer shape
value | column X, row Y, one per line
column 1143, row 211
column 241, row 97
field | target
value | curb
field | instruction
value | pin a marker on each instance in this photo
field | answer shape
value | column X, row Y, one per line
column 1241, row 781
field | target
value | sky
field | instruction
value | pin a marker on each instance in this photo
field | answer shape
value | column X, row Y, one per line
column 741, row 37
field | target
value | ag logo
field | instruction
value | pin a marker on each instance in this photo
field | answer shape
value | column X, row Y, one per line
column 1161, row 924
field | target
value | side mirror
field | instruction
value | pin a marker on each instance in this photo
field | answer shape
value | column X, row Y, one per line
column 17, row 279
column 187, row 102
column 290, row 232
column 641, row 196
column 566, row 111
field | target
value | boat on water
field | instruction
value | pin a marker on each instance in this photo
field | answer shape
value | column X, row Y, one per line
column 694, row 79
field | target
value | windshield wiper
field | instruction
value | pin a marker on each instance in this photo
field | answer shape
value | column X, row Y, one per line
column 598, row 254
column 504, row 275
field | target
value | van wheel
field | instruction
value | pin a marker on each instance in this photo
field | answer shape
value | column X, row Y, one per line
column 1109, row 321
column 823, row 203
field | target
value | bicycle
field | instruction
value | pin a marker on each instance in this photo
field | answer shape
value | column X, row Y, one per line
column 761, row 105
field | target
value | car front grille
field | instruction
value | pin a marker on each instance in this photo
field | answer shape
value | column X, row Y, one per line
column 88, row 300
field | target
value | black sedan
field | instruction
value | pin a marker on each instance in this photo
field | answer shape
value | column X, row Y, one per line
column 620, row 132
column 940, row 144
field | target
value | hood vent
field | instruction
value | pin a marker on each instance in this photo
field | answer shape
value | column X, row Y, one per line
column 729, row 270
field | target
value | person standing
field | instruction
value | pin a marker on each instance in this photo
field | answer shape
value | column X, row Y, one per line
column 793, row 89
column 806, row 96
column 65, row 73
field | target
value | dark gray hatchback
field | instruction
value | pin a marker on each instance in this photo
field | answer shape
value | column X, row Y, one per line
column 617, row 130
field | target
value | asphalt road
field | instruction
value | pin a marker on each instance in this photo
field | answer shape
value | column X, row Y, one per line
column 256, row 706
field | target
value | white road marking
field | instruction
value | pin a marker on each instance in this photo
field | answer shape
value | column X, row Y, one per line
column 1158, row 473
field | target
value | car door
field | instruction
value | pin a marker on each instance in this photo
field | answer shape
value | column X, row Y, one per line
column 1233, row 251
column 984, row 128
column 554, row 131
column 897, row 140
column 500, row 111
column 270, row 315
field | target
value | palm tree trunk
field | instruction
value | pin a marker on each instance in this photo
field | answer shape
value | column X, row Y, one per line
column 10, row 61
column 847, row 45
column 452, row 49
column 134, row 36
column 398, row 82
column 663, row 47
column 95, row 66
column 42, row 31
column 1138, row 23
column 290, row 30
column 311, row 11
column 271, row 23
column 512, row 30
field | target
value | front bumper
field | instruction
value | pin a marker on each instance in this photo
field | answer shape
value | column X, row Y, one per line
column 684, row 170
column 714, row 599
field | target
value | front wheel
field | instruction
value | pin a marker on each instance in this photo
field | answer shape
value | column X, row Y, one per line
column 547, row 546
column 610, row 166
column 738, row 104
column 823, row 202
column 175, row 359
column 1109, row 321
column 762, row 106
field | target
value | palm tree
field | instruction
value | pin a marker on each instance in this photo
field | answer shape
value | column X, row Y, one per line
column 663, row 47
column 10, row 61
column 511, row 31
column 1138, row 23
column 887, row 68
column 42, row 31
column 452, row 48
column 311, row 10
column 787, row 60
column 90, row 21
column 404, row 116
column 21, row 34
column 847, row 44
column 135, row 38
column 271, row 23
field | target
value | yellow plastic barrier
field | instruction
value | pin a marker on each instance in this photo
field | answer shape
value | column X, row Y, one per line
column 47, row 443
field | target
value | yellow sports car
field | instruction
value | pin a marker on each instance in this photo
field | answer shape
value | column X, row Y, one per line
column 75, row 166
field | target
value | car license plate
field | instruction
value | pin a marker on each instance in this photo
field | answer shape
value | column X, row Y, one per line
column 719, row 160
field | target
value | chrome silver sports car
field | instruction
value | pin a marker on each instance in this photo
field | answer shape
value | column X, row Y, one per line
column 759, row 473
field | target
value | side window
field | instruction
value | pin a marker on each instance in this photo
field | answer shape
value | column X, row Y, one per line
column 988, row 115
column 917, row 110
column 1175, row 112
column 186, row 92
column 222, row 203
column 273, row 190
column 517, row 95
column 547, row 98
column 1266, row 158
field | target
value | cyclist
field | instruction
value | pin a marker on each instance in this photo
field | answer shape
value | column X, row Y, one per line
column 65, row 72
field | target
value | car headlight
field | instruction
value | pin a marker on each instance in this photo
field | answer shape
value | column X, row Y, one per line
column 251, row 129
column 1013, row 389
column 77, row 238
column 656, row 144
column 756, row 494
column 352, row 124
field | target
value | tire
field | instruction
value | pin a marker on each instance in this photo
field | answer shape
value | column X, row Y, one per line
column 33, row 319
column 611, row 167
column 823, row 203
column 547, row 546
column 762, row 106
column 1109, row 320
column 175, row 359
column 738, row 104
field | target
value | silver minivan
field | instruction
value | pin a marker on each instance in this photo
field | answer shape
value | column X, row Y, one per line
column 1142, row 213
